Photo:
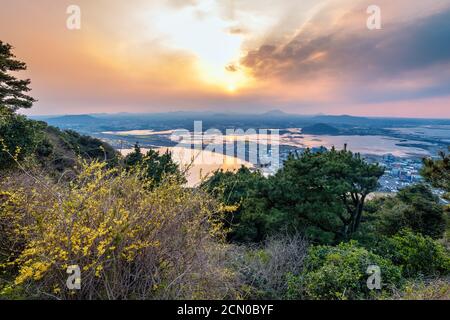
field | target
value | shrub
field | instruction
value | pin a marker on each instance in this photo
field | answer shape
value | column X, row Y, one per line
column 130, row 242
column 415, row 208
column 19, row 138
column 434, row 289
column 340, row 273
column 265, row 271
column 416, row 254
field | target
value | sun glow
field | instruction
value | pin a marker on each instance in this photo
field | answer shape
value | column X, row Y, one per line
column 231, row 88
column 201, row 32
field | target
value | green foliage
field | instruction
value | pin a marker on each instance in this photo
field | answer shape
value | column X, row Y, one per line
column 72, row 146
column 437, row 172
column 249, row 221
column 415, row 208
column 19, row 138
column 340, row 273
column 328, row 190
column 154, row 165
column 321, row 194
column 138, row 233
column 135, row 157
column 12, row 90
column 416, row 254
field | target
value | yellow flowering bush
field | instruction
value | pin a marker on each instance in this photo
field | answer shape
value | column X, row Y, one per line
column 131, row 241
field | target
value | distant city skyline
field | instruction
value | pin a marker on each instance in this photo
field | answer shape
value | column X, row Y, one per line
column 246, row 56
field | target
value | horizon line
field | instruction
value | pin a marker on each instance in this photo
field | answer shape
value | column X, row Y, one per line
column 233, row 113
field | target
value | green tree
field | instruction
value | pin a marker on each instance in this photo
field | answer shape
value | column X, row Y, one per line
column 13, row 91
column 18, row 135
column 134, row 157
column 155, row 166
column 327, row 191
column 321, row 194
column 246, row 190
column 437, row 172
column 415, row 208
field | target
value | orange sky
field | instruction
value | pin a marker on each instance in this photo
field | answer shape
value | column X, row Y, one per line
column 301, row 56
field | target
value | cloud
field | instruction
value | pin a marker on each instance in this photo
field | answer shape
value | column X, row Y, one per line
column 354, row 55
column 232, row 68
column 305, row 56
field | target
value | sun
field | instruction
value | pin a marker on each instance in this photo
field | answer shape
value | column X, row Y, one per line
column 231, row 88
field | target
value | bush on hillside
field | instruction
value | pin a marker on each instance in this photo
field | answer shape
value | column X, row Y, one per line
column 434, row 289
column 264, row 270
column 340, row 273
column 415, row 208
column 19, row 138
column 416, row 254
column 130, row 242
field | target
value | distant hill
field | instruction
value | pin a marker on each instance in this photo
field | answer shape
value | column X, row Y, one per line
column 73, row 120
column 346, row 124
column 320, row 128
column 276, row 113
column 344, row 120
column 80, row 123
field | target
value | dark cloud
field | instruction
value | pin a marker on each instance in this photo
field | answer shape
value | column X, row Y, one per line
column 365, row 54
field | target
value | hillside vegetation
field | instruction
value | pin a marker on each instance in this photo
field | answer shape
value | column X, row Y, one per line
column 136, row 232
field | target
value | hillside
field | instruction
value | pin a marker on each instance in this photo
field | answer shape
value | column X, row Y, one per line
column 60, row 149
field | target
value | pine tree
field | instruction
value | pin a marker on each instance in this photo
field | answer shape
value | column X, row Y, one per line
column 437, row 172
column 13, row 91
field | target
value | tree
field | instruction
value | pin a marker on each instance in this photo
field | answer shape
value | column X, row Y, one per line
column 135, row 157
column 321, row 194
column 327, row 190
column 244, row 190
column 154, row 165
column 157, row 166
column 13, row 91
column 437, row 172
column 18, row 135
column 415, row 208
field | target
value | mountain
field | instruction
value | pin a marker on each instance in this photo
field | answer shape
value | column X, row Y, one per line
column 73, row 119
column 275, row 113
column 320, row 128
column 343, row 120
column 76, row 122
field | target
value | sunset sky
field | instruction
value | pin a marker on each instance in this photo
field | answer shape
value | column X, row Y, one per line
column 300, row 56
